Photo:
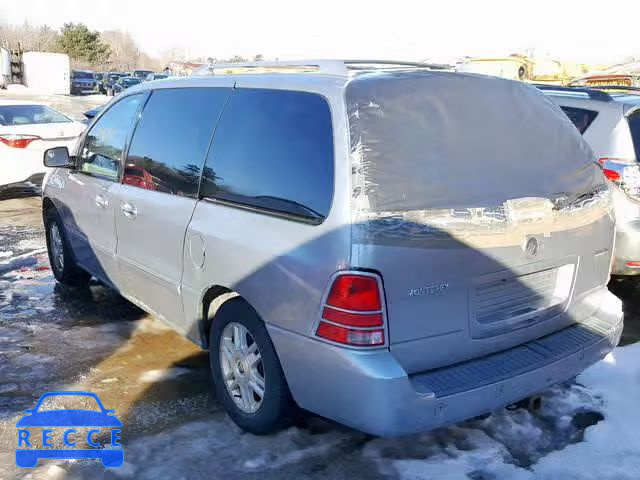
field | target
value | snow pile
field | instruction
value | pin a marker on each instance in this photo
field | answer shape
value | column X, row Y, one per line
column 546, row 444
column 611, row 449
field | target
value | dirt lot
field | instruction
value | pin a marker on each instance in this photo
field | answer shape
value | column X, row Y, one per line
column 52, row 338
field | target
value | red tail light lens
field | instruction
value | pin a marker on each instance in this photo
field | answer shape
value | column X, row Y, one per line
column 355, row 292
column 353, row 312
column 624, row 173
column 18, row 141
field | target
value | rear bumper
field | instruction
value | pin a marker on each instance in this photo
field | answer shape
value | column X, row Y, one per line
column 370, row 391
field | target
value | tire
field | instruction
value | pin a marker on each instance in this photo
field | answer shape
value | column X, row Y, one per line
column 63, row 264
column 276, row 409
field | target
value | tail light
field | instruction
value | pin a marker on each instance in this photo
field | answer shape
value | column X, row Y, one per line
column 353, row 313
column 624, row 173
column 18, row 141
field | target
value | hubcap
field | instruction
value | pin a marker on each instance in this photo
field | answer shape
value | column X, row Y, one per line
column 57, row 250
column 242, row 367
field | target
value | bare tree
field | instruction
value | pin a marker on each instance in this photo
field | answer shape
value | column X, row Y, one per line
column 174, row 53
column 124, row 51
column 37, row 38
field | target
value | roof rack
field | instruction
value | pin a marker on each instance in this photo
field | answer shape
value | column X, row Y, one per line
column 592, row 93
column 336, row 67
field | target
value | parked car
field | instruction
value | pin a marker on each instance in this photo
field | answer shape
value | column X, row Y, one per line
column 123, row 83
column 141, row 74
column 156, row 76
column 82, row 81
column 106, row 86
column 391, row 247
column 27, row 129
column 610, row 123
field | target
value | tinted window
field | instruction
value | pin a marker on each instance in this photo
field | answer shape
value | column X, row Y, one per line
column 171, row 139
column 105, row 141
column 273, row 150
column 29, row 115
column 85, row 75
column 634, row 125
column 128, row 82
column 580, row 117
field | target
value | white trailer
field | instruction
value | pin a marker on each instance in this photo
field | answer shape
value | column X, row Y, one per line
column 46, row 72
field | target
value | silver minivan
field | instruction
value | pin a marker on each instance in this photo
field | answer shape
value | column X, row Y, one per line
column 388, row 246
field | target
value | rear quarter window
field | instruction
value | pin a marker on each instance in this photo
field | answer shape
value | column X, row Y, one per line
column 273, row 151
column 580, row 117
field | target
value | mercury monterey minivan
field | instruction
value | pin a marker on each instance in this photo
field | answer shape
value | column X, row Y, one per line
column 389, row 246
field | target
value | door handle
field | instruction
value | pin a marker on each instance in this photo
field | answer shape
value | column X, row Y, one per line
column 101, row 202
column 129, row 211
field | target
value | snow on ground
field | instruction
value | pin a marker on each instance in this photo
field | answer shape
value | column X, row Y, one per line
column 611, row 449
column 515, row 445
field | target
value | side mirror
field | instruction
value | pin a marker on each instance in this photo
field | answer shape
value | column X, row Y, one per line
column 58, row 157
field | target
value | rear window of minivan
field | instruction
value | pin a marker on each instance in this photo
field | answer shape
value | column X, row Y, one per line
column 436, row 140
column 634, row 126
column 580, row 117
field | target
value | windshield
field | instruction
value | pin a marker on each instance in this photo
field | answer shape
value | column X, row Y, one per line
column 142, row 73
column 29, row 115
column 127, row 82
column 83, row 75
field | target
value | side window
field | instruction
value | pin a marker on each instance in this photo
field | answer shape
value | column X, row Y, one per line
column 105, row 141
column 581, row 118
column 273, row 150
column 171, row 139
column 634, row 126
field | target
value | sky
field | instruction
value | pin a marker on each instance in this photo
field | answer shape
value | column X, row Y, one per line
column 398, row 29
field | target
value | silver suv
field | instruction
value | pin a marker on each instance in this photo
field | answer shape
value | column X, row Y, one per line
column 388, row 246
column 610, row 123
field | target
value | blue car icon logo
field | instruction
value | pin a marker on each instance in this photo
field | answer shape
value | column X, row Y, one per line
column 68, row 418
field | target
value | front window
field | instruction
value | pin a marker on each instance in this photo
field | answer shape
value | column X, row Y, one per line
column 101, row 152
column 29, row 115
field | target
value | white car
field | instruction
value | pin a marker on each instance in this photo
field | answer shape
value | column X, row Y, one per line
column 27, row 129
